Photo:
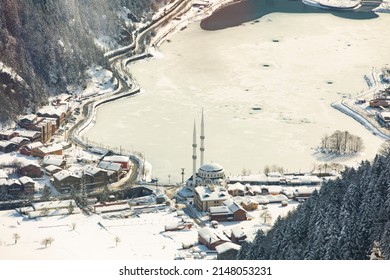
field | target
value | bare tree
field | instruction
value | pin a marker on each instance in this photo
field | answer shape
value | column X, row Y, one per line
column 266, row 216
column 117, row 240
column 47, row 241
column 16, row 237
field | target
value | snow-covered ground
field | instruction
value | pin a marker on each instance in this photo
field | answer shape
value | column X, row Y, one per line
column 94, row 237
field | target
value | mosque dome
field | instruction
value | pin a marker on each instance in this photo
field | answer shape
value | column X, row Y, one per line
column 211, row 171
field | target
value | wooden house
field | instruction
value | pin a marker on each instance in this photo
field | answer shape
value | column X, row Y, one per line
column 20, row 141
column 14, row 187
column 122, row 160
column 28, row 149
column 95, row 177
column 114, row 170
column 28, row 184
column 65, row 180
column 8, row 134
column 56, row 160
column 52, row 169
column 41, row 152
column 7, row 146
column 227, row 251
column 236, row 189
column 238, row 235
column 30, row 169
column 210, row 238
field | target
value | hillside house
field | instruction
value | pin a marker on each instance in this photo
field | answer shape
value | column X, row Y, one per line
column 7, row 146
column 114, row 170
column 14, row 187
column 56, row 160
column 30, row 169
column 28, row 184
column 27, row 121
column 94, row 177
column 65, row 180
column 56, row 113
column 41, row 152
column 29, row 148
column 8, row 134
column 122, row 160
column 52, row 169
column 20, row 141
column 31, row 135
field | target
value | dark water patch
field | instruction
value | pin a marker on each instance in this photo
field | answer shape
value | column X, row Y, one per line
column 275, row 40
column 329, row 82
column 256, row 108
column 252, row 10
column 266, row 65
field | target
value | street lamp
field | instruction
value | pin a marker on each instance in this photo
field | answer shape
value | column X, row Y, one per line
column 182, row 175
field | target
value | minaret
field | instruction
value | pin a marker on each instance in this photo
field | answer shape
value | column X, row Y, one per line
column 194, row 158
column 202, row 141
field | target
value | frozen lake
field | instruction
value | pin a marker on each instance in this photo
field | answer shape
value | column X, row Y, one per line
column 265, row 87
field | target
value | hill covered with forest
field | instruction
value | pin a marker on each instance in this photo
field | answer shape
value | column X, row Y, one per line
column 341, row 221
column 46, row 45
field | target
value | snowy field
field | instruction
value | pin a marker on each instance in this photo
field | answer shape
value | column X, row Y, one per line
column 93, row 237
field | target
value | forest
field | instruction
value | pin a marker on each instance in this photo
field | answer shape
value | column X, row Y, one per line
column 342, row 221
column 46, row 45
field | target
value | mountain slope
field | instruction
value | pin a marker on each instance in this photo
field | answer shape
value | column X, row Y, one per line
column 49, row 43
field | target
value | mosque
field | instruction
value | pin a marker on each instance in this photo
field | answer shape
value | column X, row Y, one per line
column 208, row 173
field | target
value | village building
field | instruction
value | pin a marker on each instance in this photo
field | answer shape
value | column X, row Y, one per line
column 28, row 184
column 229, row 211
column 31, row 135
column 65, row 180
column 51, row 208
column 55, row 149
column 261, row 199
column 94, row 177
column 51, row 112
column 211, row 238
column 302, row 193
column 7, row 146
column 14, row 187
column 236, row 189
column 114, row 170
column 238, row 235
column 122, row 160
column 8, row 134
column 206, row 197
column 30, row 169
column 303, row 180
column 52, row 169
column 246, row 202
column 106, row 207
column 56, row 160
column 227, row 251
column 276, row 198
column 20, row 141
column 27, row 121
column 29, row 149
